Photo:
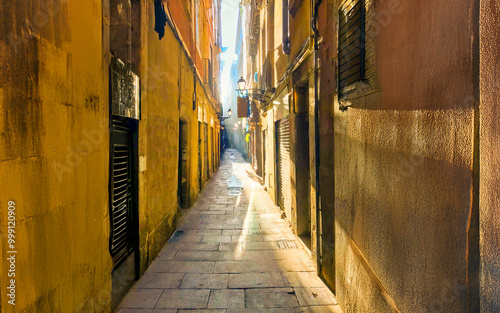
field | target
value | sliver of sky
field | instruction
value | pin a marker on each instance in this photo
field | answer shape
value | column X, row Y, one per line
column 229, row 21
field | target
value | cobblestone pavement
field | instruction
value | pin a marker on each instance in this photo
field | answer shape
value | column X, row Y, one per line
column 227, row 256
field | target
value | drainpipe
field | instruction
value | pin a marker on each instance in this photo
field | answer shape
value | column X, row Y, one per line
column 194, row 89
column 285, row 28
column 314, row 15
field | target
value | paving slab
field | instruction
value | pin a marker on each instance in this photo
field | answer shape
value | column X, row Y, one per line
column 160, row 266
column 227, row 298
column 302, row 279
column 159, row 280
column 271, row 298
column 255, row 280
column 209, row 232
column 197, row 256
column 198, row 246
column 230, row 246
column 184, row 299
column 141, row 298
column 205, row 281
column 166, row 255
column 311, row 296
column 193, row 267
column 216, row 239
column 230, row 267
column 262, row 266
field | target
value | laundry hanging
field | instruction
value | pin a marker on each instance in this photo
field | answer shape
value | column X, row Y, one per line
column 160, row 18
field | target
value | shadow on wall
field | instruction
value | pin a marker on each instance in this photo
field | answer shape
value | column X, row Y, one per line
column 409, row 219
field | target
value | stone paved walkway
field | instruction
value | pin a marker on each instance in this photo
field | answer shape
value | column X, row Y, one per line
column 226, row 258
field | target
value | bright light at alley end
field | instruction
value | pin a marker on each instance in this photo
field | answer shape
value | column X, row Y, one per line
column 229, row 112
column 241, row 84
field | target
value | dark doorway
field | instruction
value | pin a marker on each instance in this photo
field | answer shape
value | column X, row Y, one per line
column 265, row 171
column 200, row 167
column 258, row 149
column 182, row 186
column 212, row 148
column 302, row 167
column 283, row 167
column 124, row 44
column 123, row 190
column 205, row 147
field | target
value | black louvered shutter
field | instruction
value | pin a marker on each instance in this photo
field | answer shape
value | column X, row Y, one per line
column 351, row 51
column 121, row 192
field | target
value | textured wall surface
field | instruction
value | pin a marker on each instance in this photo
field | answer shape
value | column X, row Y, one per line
column 403, row 163
column 168, row 96
column 54, row 153
column 327, row 88
column 158, row 139
column 490, row 159
column 54, row 147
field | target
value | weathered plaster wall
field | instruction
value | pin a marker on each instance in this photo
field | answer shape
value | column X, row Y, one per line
column 54, row 148
column 280, row 59
column 327, row 87
column 403, row 164
column 158, row 138
column 490, row 145
column 167, row 96
column 300, row 26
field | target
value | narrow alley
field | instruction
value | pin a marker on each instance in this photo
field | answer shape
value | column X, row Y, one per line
column 249, row 156
column 231, row 253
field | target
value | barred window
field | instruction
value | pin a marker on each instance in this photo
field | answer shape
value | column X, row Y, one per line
column 351, row 51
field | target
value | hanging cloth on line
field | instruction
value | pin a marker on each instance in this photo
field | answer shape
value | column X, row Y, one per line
column 160, row 18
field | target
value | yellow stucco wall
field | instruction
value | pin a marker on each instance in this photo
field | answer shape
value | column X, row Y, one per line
column 167, row 85
column 54, row 149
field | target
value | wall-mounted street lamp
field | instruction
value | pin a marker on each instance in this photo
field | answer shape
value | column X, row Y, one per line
column 256, row 94
column 229, row 113
column 241, row 84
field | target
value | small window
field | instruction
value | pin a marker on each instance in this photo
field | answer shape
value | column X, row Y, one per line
column 351, row 51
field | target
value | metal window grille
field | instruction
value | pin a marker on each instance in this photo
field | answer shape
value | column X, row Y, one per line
column 351, row 51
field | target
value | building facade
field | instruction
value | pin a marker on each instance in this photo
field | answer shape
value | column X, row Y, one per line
column 375, row 137
column 110, row 115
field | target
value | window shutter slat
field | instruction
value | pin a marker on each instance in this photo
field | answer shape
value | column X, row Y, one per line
column 351, row 48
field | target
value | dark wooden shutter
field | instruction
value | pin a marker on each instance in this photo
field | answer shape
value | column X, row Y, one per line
column 121, row 192
column 283, row 160
column 351, row 51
